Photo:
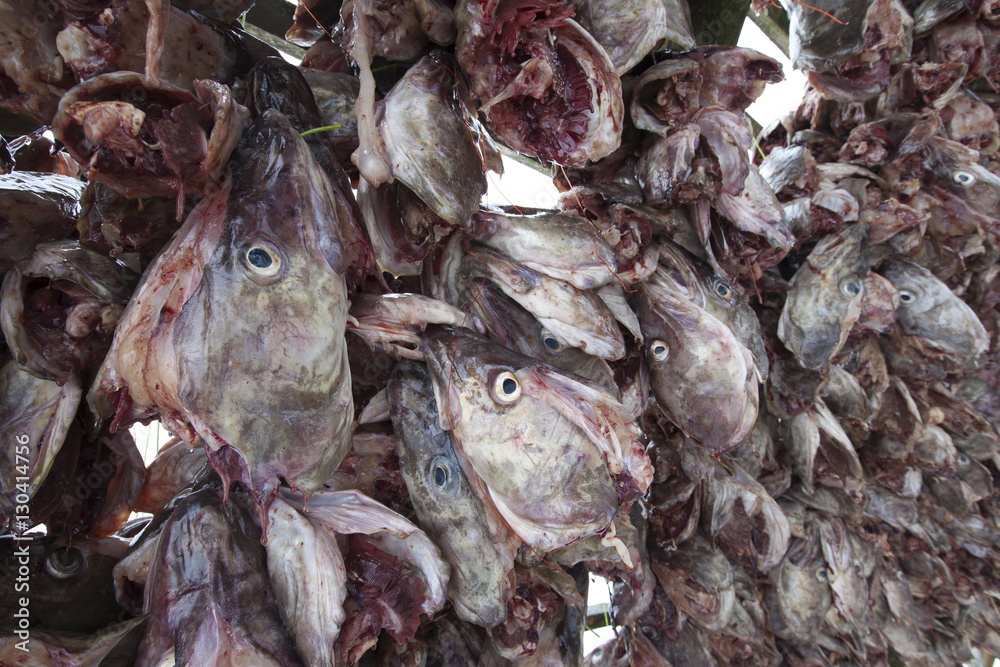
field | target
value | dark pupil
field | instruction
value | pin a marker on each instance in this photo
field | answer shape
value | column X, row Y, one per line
column 259, row 258
column 68, row 561
column 658, row 350
column 905, row 297
column 440, row 476
column 649, row 632
column 853, row 289
column 722, row 290
column 551, row 343
column 509, row 386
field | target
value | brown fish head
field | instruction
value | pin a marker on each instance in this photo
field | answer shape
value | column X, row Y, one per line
column 698, row 579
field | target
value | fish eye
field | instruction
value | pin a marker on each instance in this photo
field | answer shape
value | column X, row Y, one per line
column 822, row 574
column 964, row 178
column 444, row 477
column 659, row 350
column 850, row 287
column 905, row 297
column 550, row 342
column 649, row 632
column 963, row 459
column 262, row 260
column 857, row 569
column 66, row 563
column 722, row 288
column 506, row 388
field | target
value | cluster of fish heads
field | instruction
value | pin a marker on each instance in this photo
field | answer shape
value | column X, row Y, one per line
column 750, row 381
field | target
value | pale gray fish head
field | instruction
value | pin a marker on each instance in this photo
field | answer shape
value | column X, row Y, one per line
column 479, row 549
column 704, row 379
column 930, row 310
column 518, row 421
column 280, row 250
column 824, row 301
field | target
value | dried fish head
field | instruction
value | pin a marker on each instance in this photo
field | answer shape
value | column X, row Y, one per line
column 188, row 347
column 557, row 456
column 471, row 537
column 825, row 297
column 704, row 379
column 935, row 314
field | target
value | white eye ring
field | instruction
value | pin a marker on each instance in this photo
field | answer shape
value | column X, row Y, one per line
column 444, row 477
column 850, row 287
column 659, row 350
column 822, row 574
column 905, row 296
column 506, row 388
column 964, row 178
column 551, row 343
column 262, row 260
column 65, row 563
column 722, row 288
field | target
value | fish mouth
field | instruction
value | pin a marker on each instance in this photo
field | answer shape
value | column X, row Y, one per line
column 440, row 348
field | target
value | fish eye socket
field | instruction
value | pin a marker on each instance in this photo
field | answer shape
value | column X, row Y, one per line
column 822, row 574
column 851, row 287
column 506, row 388
column 723, row 289
column 650, row 633
column 659, row 350
column 443, row 476
column 66, row 563
column 262, row 260
column 963, row 178
column 550, row 342
column 905, row 297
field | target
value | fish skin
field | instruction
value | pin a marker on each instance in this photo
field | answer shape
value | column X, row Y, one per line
column 575, row 317
column 628, row 31
column 190, row 349
column 698, row 579
column 36, row 416
column 708, row 383
column 561, row 245
column 471, row 537
column 559, row 462
column 418, row 112
column 932, row 312
column 306, row 570
column 801, row 584
column 208, row 593
column 820, row 308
